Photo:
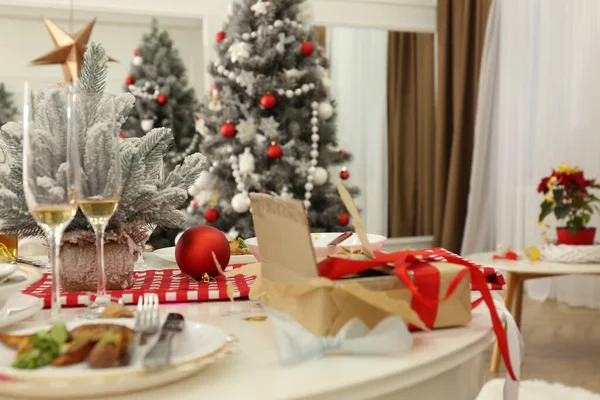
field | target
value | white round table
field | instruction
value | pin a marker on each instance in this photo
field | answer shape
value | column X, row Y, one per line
column 518, row 272
column 432, row 369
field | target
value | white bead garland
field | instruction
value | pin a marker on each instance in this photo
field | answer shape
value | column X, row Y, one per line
column 314, row 154
column 289, row 93
column 241, row 201
column 143, row 93
column 176, row 158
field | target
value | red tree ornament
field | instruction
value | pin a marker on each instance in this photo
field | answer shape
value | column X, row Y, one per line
column 274, row 151
column 136, row 52
column 344, row 153
column 344, row 219
column 162, row 98
column 195, row 248
column 307, row 48
column 194, row 203
column 220, row 36
column 228, row 129
column 268, row 101
column 211, row 215
column 122, row 135
column 130, row 80
column 344, row 174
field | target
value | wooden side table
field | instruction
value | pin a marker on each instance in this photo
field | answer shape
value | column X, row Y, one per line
column 518, row 272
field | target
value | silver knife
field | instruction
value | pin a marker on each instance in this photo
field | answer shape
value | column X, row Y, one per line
column 159, row 355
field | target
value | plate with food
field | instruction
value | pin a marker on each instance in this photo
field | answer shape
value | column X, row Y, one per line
column 330, row 243
column 90, row 357
column 22, row 277
column 240, row 253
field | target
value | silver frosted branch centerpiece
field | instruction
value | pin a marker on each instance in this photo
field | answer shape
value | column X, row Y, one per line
column 147, row 197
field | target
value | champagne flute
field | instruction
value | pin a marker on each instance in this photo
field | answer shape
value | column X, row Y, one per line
column 101, row 182
column 51, row 169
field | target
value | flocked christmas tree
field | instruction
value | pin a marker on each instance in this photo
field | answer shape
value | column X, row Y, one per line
column 269, row 122
column 159, row 83
column 7, row 107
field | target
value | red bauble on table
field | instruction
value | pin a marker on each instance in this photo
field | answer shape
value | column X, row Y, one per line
column 274, row 151
column 136, row 52
column 162, row 98
column 194, row 250
column 130, row 80
column 307, row 48
column 211, row 215
column 228, row 129
column 220, row 36
column 343, row 220
column 344, row 174
column 268, row 101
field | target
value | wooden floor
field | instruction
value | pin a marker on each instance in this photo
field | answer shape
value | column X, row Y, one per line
column 562, row 344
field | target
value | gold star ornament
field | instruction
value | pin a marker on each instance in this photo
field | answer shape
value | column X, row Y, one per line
column 69, row 49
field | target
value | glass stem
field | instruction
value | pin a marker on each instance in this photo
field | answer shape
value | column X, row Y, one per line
column 54, row 239
column 101, row 292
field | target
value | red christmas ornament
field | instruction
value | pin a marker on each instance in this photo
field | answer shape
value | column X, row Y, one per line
column 195, row 248
column 122, row 135
column 343, row 220
column 274, row 151
column 228, row 129
column 268, row 101
column 136, row 52
column 220, row 36
column 344, row 153
column 194, row 203
column 511, row 255
column 211, row 215
column 307, row 48
column 344, row 174
column 162, row 98
column 130, row 80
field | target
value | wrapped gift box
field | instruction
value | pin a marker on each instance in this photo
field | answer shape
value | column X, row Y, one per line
column 290, row 281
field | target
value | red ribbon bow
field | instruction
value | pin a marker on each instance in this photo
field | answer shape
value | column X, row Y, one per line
column 403, row 261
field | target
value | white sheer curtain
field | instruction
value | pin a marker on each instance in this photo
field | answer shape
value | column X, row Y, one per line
column 359, row 84
column 539, row 105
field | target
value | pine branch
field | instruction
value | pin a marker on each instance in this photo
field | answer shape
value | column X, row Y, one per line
column 92, row 78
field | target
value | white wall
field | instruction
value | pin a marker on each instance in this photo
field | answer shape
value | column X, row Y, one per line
column 23, row 37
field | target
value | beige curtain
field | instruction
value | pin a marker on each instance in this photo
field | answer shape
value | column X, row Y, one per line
column 461, row 33
column 411, row 131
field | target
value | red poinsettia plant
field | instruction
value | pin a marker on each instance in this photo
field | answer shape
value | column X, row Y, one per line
column 567, row 195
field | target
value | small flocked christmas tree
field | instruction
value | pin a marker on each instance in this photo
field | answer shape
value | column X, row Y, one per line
column 7, row 108
column 162, row 97
column 269, row 122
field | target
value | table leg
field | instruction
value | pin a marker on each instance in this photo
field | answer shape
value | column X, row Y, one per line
column 508, row 301
column 518, row 306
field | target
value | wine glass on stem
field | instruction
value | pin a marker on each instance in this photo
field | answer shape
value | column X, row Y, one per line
column 51, row 169
column 101, row 182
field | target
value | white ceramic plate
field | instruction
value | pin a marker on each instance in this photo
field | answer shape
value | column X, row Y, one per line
column 193, row 349
column 30, row 305
column 168, row 253
column 6, row 269
column 30, row 274
column 320, row 241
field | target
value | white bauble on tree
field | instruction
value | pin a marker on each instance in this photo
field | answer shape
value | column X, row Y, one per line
column 320, row 176
column 325, row 110
column 240, row 203
column 137, row 61
column 147, row 125
column 246, row 162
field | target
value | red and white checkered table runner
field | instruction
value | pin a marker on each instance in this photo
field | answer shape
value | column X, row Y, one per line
column 170, row 284
column 493, row 276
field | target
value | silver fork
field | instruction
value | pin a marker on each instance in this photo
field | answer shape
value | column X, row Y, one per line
column 147, row 321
